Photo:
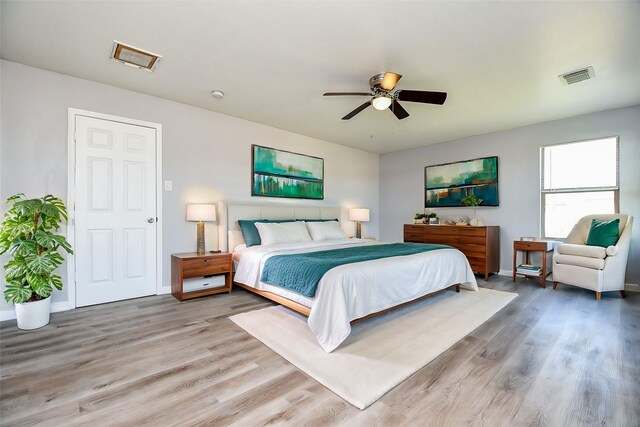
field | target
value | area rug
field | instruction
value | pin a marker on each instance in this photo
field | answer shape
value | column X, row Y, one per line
column 381, row 352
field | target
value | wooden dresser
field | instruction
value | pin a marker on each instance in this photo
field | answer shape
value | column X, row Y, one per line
column 481, row 245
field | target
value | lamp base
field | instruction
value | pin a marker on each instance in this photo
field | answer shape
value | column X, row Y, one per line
column 358, row 230
column 200, row 249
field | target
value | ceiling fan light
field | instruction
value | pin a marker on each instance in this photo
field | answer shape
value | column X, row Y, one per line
column 381, row 102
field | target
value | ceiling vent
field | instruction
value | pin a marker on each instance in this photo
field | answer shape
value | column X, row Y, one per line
column 577, row 76
column 134, row 57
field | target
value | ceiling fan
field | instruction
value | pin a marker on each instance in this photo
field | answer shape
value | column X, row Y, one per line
column 382, row 98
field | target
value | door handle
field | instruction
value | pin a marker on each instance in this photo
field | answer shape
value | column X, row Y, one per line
column 151, row 220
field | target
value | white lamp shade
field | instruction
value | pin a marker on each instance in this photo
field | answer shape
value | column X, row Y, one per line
column 201, row 212
column 361, row 215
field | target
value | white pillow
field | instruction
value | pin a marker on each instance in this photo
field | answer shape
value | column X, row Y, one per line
column 326, row 230
column 282, row 232
column 236, row 240
column 239, row 248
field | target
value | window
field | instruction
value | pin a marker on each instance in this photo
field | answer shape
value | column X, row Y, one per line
column 578, row 179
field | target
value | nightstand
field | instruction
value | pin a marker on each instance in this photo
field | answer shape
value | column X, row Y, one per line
column 191, row 266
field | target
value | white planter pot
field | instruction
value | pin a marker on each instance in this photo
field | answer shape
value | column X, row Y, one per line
column 33, row 315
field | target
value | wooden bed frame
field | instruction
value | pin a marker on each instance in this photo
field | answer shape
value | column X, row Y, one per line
column 230, row 213
column 305, row 311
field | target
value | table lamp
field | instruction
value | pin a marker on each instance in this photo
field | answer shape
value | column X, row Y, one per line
column 201, row 212
column 359, row 216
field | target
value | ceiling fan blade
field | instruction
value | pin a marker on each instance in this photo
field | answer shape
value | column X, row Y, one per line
column 347, row 94
column 397, row 109
column 422, row 96
column 357, row 110
column 390, row 80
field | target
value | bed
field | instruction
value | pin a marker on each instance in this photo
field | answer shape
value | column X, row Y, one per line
column 346, row 293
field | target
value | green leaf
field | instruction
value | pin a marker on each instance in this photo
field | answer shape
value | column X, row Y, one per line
column 50, row 210
column 4, row 245
column 17, row 293
column 16, row 269
column 59, row 204
column 52, row 241
column 62, row 242
column 28, row 207
column 39, row 284
column 21, row 227
column 42, row 264
column 45, row 239
column 23, row 247
column 56, row 281
column 55, row 257
column 15, row 197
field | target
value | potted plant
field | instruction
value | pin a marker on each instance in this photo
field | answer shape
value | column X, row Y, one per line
column 472, row 201
column 419, row 218
column 27, row 233
column 433, row 218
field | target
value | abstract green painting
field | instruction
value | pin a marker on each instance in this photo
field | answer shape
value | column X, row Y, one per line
column 447, row 184
column 279, row 173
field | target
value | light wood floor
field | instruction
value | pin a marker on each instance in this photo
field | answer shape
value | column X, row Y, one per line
column 550, row 358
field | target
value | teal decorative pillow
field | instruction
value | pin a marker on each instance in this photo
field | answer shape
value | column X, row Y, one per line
column 603, row 233
column 250, row 231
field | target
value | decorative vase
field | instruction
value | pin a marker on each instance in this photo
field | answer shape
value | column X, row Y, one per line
column 34, row 314
column 476, row 221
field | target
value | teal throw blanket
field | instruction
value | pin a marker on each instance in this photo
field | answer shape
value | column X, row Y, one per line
column 301, row 273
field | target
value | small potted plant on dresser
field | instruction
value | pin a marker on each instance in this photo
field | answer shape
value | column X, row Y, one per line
column 432, row 218
column 419, row 218
column 27, row 233
column 472, row 201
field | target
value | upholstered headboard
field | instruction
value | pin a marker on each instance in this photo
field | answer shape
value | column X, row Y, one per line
column 229, row 213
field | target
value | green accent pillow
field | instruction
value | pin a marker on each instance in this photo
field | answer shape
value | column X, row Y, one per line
column 250, row 231
column 603, row 233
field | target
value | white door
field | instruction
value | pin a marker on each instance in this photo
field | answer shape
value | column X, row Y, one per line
column 115, row 211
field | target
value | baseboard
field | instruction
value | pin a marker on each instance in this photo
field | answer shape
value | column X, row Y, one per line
column 55, row 307
column 632, row 287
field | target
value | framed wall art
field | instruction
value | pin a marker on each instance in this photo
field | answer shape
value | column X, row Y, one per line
column 279, row 173
column 447, row 184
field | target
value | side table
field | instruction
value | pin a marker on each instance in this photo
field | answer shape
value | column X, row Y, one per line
column 542, row 246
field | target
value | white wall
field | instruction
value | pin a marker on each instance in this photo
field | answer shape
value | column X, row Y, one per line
column 207, row 155
column 402, row 176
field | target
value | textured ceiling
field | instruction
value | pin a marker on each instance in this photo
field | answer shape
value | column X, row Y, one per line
column 498, row 61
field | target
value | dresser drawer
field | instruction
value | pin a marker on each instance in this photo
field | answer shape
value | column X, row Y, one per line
column 477, row 266
column 471, row 249
column 451, row 240
column 444, row 230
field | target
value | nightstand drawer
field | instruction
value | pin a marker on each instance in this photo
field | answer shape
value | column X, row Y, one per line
column 530, row 246
column 204, row 266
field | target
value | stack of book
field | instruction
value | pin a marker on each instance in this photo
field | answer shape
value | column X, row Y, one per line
column 528, row 269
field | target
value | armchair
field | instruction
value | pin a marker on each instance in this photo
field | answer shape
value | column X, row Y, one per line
column 593, row 267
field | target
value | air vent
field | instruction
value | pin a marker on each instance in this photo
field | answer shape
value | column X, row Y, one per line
column 577, row 76
column 134, row 57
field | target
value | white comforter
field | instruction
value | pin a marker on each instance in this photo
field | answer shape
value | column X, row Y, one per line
column 355, row 290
